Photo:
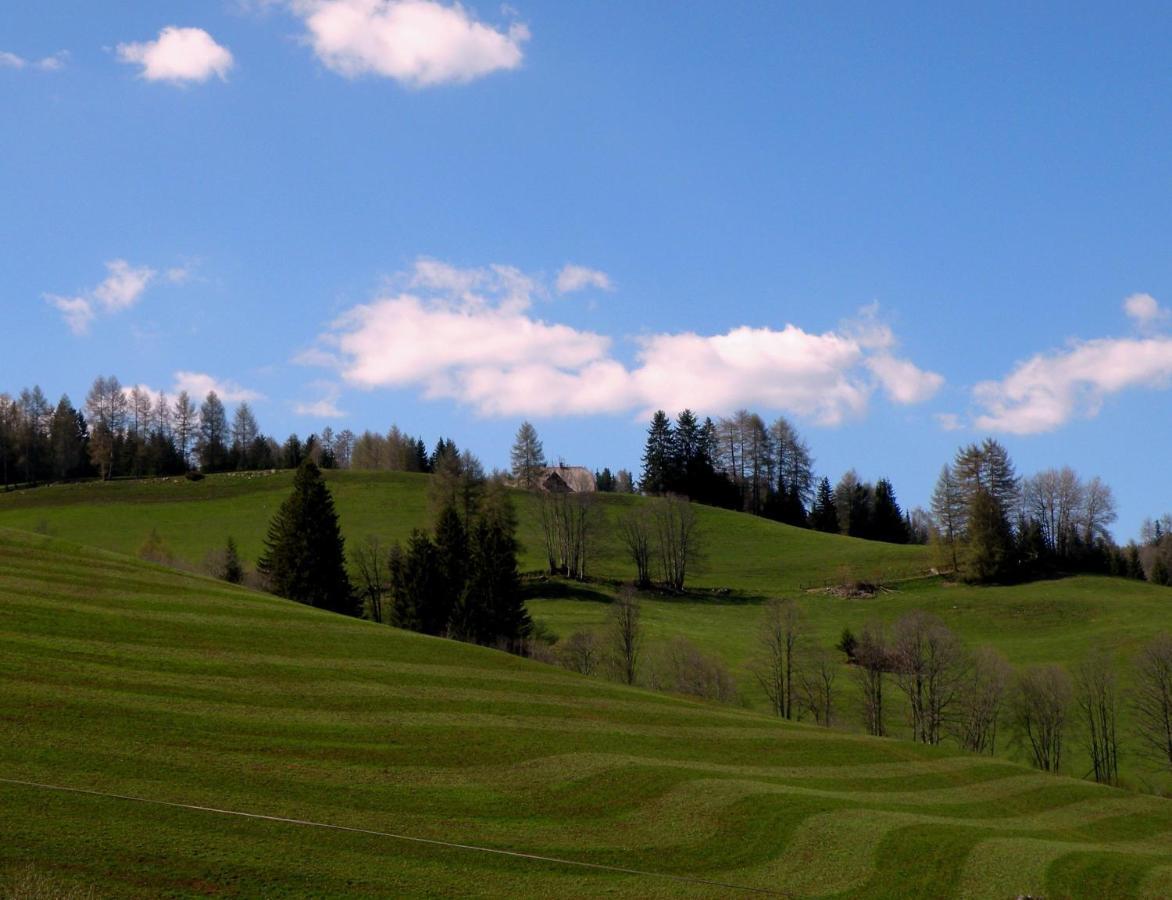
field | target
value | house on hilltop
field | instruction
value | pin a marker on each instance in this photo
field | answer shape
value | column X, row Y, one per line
column 566, row 480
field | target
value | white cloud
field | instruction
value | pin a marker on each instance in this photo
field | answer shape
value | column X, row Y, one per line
column 122, row 287
column 468, row 335
column 420, row 43
column 1047, row 390
column 1145, row 311
column 326, row 406
column 76, row 311
column 902, row 380
column 577, row 278
column 45, row 64
column 179, row 55
column 199, row 384
column 949, row 421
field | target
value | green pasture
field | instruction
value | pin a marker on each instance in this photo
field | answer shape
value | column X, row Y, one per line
column 125, row 678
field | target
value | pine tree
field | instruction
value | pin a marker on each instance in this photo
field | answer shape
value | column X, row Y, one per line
column 658, row 455
column 824, row 514
column 527, row 456
column 305, row 558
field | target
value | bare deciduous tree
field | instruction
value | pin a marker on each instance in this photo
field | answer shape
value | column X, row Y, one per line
column 580, row 652
column 636, row 530
column 981, row 701
column 872, row 658
column 626, row 635
column 779, row 637
column 372, row 565
column 930, row 666
column 1097, row 698
column 816, row 674
column 678, row 539
column 681, row 668
column 1152, row 699
column 1040, row 706
column 567, row 521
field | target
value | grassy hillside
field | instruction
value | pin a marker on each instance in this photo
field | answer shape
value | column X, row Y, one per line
column 743, row 553
column 130, row 679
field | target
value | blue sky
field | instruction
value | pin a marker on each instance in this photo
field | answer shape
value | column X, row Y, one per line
column 903, row 228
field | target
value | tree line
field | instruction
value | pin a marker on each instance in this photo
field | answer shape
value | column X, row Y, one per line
column 741, row 463
column 991, row 525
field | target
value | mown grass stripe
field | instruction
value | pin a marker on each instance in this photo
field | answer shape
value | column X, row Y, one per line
column 451, row 845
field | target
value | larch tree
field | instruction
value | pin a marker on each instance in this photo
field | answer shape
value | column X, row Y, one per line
column 527, row 456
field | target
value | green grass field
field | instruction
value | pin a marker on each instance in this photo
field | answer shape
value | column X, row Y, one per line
column 125, row 678
column 745, row 554
column 750, row 558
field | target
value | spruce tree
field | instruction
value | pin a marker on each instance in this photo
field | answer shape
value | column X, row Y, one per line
column 418, row 599
column 305, row 557
column 492, row 610
column 451, row 557
column 233, row 571
column 658, row 455
column 887, row 521
column 824, row 515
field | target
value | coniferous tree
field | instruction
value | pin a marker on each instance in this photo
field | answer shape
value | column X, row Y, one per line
column 233, row 571
column 527, row 456
column 887, row 521
column 492, row 610
column 658, row 455
column 990, row 539
column 824, row 514
column 451, row 556
column 212, row 442
column 305, row 555
column 417, row 595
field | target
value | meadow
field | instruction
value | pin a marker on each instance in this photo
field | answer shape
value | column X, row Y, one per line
column 131, row 679
column 745, row 560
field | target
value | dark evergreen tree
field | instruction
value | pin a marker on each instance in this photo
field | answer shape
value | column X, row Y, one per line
column 292, row 452
column 451, row 554
column 233, row 571
column 422, row 463
column 418, row 602
column 1159, row 574
column 305, row 557
column 492, row 611
column 824, row 514
column 887, row 521
column 1134, row 567
column 658, row 455
column 604, row 481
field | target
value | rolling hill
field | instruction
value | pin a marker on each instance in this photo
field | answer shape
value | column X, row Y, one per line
column 204, row 702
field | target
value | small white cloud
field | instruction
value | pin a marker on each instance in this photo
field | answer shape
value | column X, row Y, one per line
column 577, row 278
column 11, row 60
column 76, row 311
column 179, row 274
column 420, row 43
column 53, row 63
column 123, row 286
column 949, row 421
column 199, row 384
column 179, row 55
column 1145, row 311
column 903, row 381
column 326, row 406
